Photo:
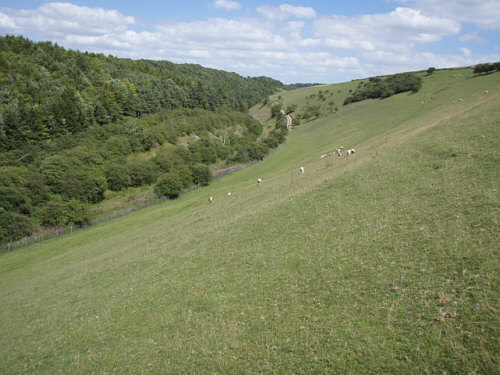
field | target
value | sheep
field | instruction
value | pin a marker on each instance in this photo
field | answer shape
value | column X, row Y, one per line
column 229, row 194
column 210, row 199
column 460, row 100
column 323, row 156
column 301, row 170
column 339, row 152
column 259, row 181
column 351, row 151
column 485, row 91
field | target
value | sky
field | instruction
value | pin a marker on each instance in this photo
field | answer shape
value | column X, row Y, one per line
column 325, row 41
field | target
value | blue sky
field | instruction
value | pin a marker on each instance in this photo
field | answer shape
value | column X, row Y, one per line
column 293, row 41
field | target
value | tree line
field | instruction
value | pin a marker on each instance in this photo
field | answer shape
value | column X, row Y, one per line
column 378, row 88
column 47, row 91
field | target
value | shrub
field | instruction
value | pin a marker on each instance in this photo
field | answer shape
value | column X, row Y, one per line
column 53, row 214
column 142, row 172
column 14, row 226
column 201, row 174
column 169, row 185
column 15, row 199
column 84, row 185
column 117, row 177
column 78, row 213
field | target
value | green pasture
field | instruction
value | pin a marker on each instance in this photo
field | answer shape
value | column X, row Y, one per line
column 384, row 262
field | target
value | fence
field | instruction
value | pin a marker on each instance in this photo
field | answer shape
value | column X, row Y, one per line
column 59, row 232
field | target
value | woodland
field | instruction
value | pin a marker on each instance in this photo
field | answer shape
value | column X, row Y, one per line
column 75, row 125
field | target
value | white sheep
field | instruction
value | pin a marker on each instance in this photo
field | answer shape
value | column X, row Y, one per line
column 301, row 170
column 460, row 100
column 229, row 194
column 259, row 181
column 351, row 151
column 210, row 199
column 485, row 91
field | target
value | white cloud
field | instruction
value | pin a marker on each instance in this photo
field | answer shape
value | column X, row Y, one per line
column 399, row 30
column 227, row 4
column 7, row 23
column 467, row 52
column 483, row 13
column 64, row 18
column 284, row 11
column 472, row 37
column 286, row 42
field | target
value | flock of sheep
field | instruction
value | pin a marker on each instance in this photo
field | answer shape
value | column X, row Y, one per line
column 338, row 152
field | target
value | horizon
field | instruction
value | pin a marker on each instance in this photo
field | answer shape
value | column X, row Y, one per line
column 304, row 42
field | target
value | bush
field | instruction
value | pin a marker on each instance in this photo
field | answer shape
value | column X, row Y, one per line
column 275, row 110
column 169, row 185
column 15, row 199
column 201, row 174
column 53, row 214
column 184, row 174
column 59, row 213
column 167, row 160
column 117, row 177
column 78, row 213
column 84, row 185
column 142, row 172
column 14, row 226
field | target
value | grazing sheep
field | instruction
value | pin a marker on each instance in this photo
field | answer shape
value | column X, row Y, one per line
column 301, row 170
column 229, row 194
column 210, row 199
column 323, row 156
column 339, row 153
column 460, row 100
column 485, row 91
column 259, row 181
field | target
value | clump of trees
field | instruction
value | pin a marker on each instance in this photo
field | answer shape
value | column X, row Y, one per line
column 378, row 88
column 487, row 68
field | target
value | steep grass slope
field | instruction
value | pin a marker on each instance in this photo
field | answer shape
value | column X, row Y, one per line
column 384, row 262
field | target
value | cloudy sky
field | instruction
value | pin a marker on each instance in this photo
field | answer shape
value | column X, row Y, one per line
column 291, row 40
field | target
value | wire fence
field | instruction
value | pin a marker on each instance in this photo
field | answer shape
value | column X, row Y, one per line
column 56, row 232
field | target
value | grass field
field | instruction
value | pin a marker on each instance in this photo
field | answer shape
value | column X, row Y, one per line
column 383, row 262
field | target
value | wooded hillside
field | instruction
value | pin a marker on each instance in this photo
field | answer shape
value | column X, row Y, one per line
column 74, row 125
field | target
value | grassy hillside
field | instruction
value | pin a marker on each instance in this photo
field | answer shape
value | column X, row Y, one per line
column 383, row 262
